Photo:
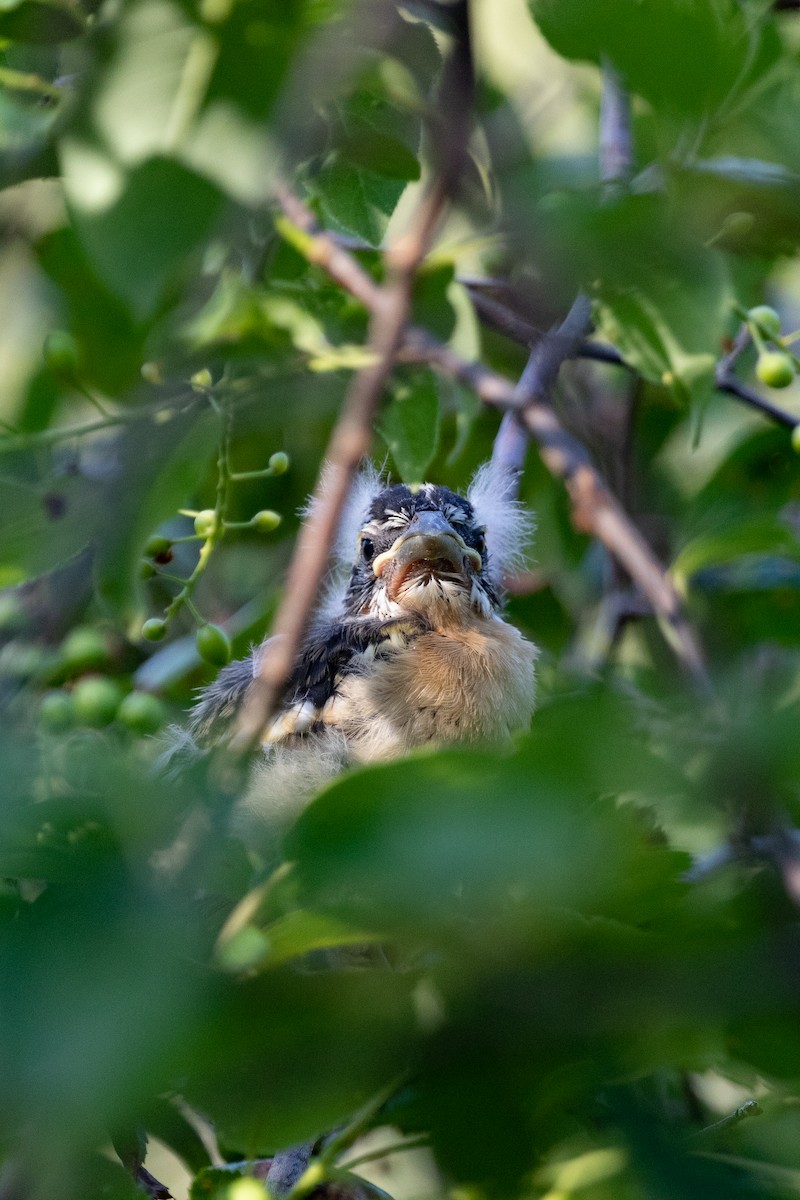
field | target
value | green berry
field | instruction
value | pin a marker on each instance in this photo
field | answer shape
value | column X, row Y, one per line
column 247, row 948
column 56, row 711
column 154, row 629
column 266, row 520
column 151, row 373
column 775, row 369
column 279, row 463
column 146, row 569
column 201, row 381
column 246, row 1189
column 767, row 320
column 213, row 645
column 83, row 648
column 157, row 545
column 96, row 700
column 61, row 353
column 141, row 712
column 205, row 523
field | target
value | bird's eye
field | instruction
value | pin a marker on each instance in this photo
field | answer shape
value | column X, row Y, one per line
column 367, row 549
column 480, row 541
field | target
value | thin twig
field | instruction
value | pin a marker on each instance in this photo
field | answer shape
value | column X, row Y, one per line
column 421, row 1142
column 615, row 142
column 148, row 1183
column 503, row 318
column 537, row 382
column 750, row 1108
column 390, row 307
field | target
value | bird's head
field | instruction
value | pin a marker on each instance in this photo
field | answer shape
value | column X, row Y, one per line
column 421, row 550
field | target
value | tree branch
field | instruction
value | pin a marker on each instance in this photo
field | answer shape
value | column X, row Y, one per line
column 389, row 307
column 503, row 318
column 615, row 141
column 287, row 1167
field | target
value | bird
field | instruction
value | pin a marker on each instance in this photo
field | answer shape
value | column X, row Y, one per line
column 409, row 648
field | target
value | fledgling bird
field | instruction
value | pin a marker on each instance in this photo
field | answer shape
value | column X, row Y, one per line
column 412, row 651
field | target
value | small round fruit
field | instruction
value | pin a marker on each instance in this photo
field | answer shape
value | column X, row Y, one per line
column 157, row 545
column 154, row 629
column 213, row 645
column 279, row 463
column 247, row 948
column 141, row 712
column 246, row 1189
column 61, row 353
column 205, row 523
column 775, row 369
column 84, row 648
column 151, row 373
column 56, row 711
column 266, row 520
column 766, row 319
column 201, row 381
column 146, row 569
column 96, row 700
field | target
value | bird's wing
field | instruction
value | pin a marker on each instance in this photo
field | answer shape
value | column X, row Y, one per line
column 213, row 715
column 330, row 653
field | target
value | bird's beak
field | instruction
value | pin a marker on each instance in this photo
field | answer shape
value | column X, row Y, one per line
column 429, row 540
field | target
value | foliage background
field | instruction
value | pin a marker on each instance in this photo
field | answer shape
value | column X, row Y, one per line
column 559, row 1011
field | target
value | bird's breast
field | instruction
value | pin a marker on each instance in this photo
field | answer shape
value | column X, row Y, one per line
column 466, row 683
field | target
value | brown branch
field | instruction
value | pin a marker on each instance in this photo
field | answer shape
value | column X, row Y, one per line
column 287, row 1167
column 537, row 382
column 390, row 307
column 505, row 320
column 616, row 147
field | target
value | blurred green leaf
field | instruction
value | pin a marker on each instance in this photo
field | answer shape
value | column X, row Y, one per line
column 410, row 425
column 40, row 21
column 154, row 476
column 355, row 199
column 140, row 242
column 717, row 44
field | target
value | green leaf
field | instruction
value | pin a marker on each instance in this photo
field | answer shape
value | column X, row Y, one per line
column 56, row 514
column 377, row 135
column 212, row 1183
column 285, row 1056
column 39, row 21
column 256, row 44
column 302, row 931
column 410, row 425
column 139, row 243
column 758, row 535
column 357, row 200
column 714, row 41
column 111, row 342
